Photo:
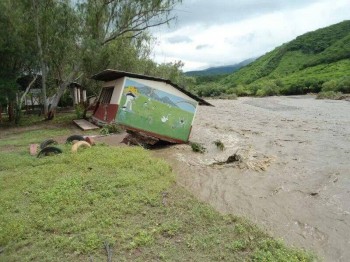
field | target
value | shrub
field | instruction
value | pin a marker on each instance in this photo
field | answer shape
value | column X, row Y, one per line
column 344, row 85
column 210, row 90
column 329, row 86
column 79, row 110
column 293, row 89
column 197, row 147
column 112, row 128
column 329, row 95
column 66, row 100
column 228, row 96
column 270, row 89
column 242, row 90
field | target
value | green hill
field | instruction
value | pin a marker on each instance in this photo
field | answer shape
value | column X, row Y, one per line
column 220, row 70
column 313, row 62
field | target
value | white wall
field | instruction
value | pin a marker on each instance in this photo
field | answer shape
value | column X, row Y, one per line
column 118, row 89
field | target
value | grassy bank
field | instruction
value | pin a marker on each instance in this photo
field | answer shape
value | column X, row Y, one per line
column 116, row 202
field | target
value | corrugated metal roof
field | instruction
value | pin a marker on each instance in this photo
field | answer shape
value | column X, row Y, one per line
column 109, row 75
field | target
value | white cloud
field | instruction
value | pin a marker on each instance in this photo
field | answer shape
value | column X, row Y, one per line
column 211, row 44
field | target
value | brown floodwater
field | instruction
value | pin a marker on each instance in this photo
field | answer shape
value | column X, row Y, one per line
column 291, row 168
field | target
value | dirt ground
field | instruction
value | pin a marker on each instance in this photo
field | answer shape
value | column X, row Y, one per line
column 290, row 172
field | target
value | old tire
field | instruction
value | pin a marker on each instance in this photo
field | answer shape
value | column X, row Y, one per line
column 47, row 143
column 72, row 138
column 49, row 150
column 80, row 144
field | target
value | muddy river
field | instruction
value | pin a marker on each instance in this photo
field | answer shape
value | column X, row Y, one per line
column 289, row 170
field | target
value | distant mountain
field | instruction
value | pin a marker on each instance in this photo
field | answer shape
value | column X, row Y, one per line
column 150, row 92
column 220, row 70
column 167, row 100
column 306, row 64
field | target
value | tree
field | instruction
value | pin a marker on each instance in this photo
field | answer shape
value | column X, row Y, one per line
column 103, row 25
column 107, row 20
column 57, row 34
column 16, row 52
column 71, row 39
column 20, row 100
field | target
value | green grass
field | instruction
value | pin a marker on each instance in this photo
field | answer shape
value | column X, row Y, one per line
column 31, row 137
column 35, row 119
column 68, row 207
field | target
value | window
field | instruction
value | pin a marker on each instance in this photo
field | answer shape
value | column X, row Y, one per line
column 106, row 95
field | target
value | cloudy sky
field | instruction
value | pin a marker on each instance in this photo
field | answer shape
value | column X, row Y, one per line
column 223, row 32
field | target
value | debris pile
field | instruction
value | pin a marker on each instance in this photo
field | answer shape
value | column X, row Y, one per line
column 247, row 159
column 218, row 155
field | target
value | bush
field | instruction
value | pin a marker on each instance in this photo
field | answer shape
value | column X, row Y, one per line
column 344, row 85
column 230, row 90
column 293, row 89
column 329, row 95
column 270, row 89
column 210, row 90
column 66, row 100
column 228, row 96
column 242, row 90
column 329, row 86
column 266, row 91
column 79, row 110
column 112, row 128
column 196, row 147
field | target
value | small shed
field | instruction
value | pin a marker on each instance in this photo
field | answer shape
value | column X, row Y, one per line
column 78, row 93
column 150, row 105
column 34, row 96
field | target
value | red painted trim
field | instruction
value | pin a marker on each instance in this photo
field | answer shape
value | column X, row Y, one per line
column 106, row 112
column 96, row 107
column 165, row 138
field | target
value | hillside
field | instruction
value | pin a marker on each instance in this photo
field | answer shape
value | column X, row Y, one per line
column 313, row 62
column 220, row 70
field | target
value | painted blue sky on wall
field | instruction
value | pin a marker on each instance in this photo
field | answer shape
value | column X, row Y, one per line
column 163, row 97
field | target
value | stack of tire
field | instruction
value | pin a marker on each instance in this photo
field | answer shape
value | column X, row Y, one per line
column 47, row 148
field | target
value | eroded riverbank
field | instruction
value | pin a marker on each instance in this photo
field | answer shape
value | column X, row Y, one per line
column 295, row 182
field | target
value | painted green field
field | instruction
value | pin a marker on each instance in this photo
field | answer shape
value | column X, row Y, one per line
column 148, row 114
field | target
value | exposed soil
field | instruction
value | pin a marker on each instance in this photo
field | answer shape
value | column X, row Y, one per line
column 289, row 170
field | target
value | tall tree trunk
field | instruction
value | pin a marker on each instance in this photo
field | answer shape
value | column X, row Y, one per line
column 58, row 95
column 21, row 100
column 55, row 100
column 0, row 113
column 11, row 111
column 42, row 61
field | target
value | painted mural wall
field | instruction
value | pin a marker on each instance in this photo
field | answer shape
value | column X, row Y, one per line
column 156, row 111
